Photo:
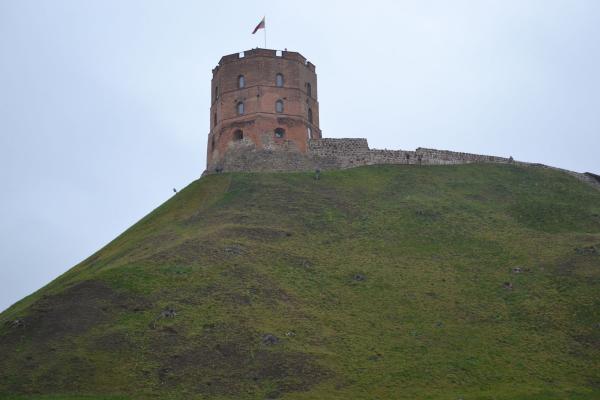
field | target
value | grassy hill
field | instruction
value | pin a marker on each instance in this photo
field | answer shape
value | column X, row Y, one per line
column 383, row 282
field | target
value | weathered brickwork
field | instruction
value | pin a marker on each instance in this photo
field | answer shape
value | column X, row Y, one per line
column 274, row 155
column 249, row 141
column 260, row 93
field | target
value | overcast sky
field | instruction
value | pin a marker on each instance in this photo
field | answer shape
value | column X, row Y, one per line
column 104, row 104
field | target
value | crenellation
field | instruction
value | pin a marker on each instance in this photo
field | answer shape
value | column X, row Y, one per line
column 293, row 55
column 229, row 59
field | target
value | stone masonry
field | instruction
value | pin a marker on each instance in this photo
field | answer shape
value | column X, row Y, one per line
column 330, row 154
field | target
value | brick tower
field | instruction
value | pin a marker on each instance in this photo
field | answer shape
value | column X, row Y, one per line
column 264, row 102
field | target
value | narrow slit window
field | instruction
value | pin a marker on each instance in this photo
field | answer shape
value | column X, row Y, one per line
column 279, row 80
column 241, row 81
column 279, row 106
column 240, row 108
column 310, row 116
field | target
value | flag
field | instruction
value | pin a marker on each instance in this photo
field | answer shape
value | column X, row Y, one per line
column 261, row 25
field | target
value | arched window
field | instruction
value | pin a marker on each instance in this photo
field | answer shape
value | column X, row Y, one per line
column 216, row 92
column 238, row 135
column 310, row 117
column 215, row 120
column 241, row 81
column 240, row 108
column 279, row 133
column 279, row 80
column 308, row 89
column 279, row 106
column 309, row 133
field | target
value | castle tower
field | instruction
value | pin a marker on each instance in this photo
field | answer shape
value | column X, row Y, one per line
column 263, row 100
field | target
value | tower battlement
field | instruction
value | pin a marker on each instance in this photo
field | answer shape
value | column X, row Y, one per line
column 258, row 52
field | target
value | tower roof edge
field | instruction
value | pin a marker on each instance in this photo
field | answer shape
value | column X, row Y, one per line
column 260, row 52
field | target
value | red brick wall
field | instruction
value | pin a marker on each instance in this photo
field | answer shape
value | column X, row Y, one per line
column 259, row 95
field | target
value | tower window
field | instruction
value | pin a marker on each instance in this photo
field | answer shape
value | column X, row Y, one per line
column 279, row 133
column 216, row 92
column 309, row 133
column 310, row 116
column 238, row 135
column 279, row 106
column 215, row 120
column 241, row 81
column 240, row 108
column 308, row 89
column 279, row 80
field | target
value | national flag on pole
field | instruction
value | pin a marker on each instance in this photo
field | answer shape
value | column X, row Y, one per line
column 261, row 25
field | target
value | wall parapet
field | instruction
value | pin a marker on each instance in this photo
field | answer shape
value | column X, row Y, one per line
column 260, row 52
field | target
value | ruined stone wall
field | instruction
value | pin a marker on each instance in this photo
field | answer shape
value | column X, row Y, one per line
column 327, row 154
column 347, row 153
column 339, row 153
column 393, row 157
column 433, row 156
column 331, row 154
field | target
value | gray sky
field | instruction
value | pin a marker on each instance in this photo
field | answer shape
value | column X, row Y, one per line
column 104, row 104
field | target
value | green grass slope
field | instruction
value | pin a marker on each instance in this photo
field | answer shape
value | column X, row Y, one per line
column 383, row 282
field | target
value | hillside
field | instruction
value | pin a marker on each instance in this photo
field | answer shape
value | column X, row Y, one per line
column 382, row 282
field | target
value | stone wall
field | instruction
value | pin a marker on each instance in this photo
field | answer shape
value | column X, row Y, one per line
column 331, row 154
column 339, row 153
column 347, row 153
column 377, row 156
column 433, row 156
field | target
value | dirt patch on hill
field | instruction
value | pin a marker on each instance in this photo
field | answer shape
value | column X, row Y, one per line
column 113, row 342
column 72, row 312
column 228, row 360
column 45, row 334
